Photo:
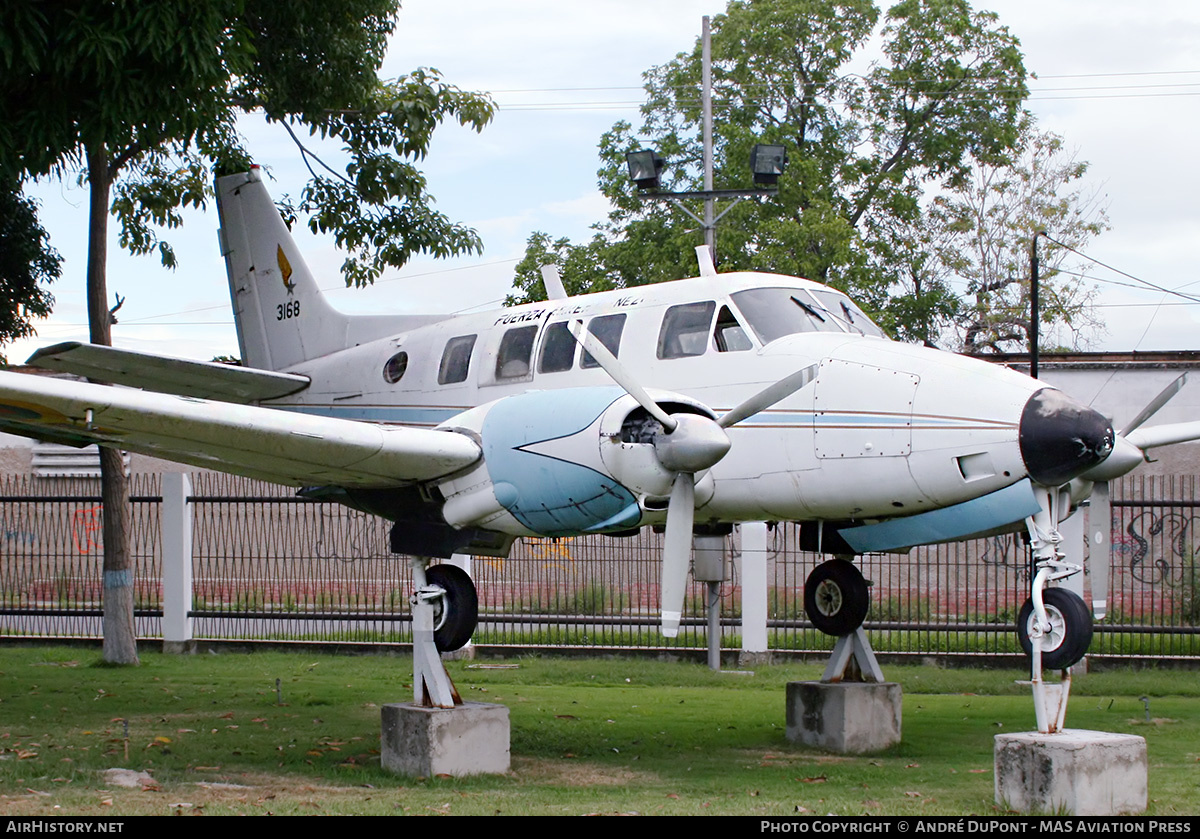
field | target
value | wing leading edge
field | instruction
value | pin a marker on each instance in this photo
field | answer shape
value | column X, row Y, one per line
column 266, row 443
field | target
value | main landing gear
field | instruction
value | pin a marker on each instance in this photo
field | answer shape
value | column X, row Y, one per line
column 836, row 599
column 445, row 610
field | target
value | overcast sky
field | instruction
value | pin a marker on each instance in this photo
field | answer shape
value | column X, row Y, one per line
column 1119, row 81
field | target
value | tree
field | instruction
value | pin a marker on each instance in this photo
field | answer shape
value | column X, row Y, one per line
column 27, row 264
column 946, row 91
column 983, row 238
column 143, row 98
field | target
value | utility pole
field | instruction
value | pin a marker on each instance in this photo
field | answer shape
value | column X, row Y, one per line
column 710, row 226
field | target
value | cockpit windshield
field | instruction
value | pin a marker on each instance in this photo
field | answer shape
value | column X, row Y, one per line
column 775, row 312
column 843, row 309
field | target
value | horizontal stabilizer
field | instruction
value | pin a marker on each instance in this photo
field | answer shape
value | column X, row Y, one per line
column 164, row 374
column 266, row 443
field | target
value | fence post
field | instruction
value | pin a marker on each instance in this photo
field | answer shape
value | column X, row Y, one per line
column 754, row 591
column 176, row 562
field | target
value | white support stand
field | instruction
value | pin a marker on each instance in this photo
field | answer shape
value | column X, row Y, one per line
column 856, row 647
column 844, row 712
column 439, row 734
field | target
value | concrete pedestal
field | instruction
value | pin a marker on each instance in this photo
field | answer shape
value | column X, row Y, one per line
column 846, row 717
column 469, row 739
column 1078, row 773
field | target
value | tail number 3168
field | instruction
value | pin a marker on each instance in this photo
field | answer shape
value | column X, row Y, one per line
column 289, row 310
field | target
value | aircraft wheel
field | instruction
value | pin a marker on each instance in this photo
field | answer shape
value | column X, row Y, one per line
column 1070, row 628
column 836, row 597
column 456, row 613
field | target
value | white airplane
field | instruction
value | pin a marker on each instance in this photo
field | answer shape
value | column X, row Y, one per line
column 691, row 404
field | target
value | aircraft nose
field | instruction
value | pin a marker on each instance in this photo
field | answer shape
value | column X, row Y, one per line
column 1062, row 438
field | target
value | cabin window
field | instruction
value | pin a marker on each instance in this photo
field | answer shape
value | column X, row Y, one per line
column 775, row 312
column 608, row 329
column 685, row 330
column 558, row 349
column 728, row 334
column 393, row 370
column 516, row 350
column 843, row 310
column 456, row 360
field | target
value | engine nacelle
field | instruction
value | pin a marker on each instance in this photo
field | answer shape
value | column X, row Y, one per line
column 561, row 462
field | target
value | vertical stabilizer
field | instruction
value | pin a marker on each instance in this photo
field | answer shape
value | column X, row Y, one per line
column 282, row 317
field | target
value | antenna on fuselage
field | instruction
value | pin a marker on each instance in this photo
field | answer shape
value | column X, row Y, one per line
column 704, row 257
column 555, row 290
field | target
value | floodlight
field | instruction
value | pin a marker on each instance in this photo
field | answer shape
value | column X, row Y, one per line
column 767, row 162
column 644, row 168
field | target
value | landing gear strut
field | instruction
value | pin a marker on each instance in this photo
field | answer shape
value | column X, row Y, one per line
column 445, row 610
column 1055, row 625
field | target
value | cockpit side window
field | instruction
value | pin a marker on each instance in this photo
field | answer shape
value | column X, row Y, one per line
column 685, row 330
column 558, row 349
column 516, row 351
column 456, row 360
column 608, row 329
column 728, row 334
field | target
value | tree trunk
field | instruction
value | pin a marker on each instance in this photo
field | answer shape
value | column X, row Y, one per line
column 120, row 640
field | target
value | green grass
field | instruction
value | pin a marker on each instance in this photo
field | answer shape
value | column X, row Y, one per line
column 588, row 736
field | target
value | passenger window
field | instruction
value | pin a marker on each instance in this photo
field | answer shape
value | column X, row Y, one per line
column 394, row 370
column 558, row 349
column 516, row 350
column 685, row 330
column 728, row 335
column 456, row 360
column 608, row 329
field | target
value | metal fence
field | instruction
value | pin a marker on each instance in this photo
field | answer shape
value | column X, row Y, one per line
column 269, row 566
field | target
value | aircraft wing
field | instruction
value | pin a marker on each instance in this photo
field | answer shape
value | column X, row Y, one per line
column 164, row 374
column 267, row 443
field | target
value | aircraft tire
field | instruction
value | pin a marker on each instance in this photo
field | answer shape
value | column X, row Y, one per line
column 455, row 621
column 836, row 597
column 1071, row 634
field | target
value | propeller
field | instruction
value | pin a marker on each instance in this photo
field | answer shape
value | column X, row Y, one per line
column 689, row 444
column 1129, row 450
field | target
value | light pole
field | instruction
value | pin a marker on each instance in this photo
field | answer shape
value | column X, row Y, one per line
column 766, row 163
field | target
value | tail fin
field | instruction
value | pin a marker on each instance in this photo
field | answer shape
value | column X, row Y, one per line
column 282, row 317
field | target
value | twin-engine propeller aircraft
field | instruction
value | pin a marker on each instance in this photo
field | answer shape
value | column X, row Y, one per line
column 692, row 404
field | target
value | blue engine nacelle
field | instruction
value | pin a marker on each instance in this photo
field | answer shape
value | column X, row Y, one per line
column 563, row 462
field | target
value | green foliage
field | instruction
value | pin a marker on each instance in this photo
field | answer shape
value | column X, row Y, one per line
column 862, row 146
column 27, row 264
column 981, row 234
column 157, row 88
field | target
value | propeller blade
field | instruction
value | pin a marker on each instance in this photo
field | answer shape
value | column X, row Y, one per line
column 619, row 374
column 1165, row 435
column 553, row 282
column 769, row 396
column 677, row 550
column 1156, row 403
column 1100, row 547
